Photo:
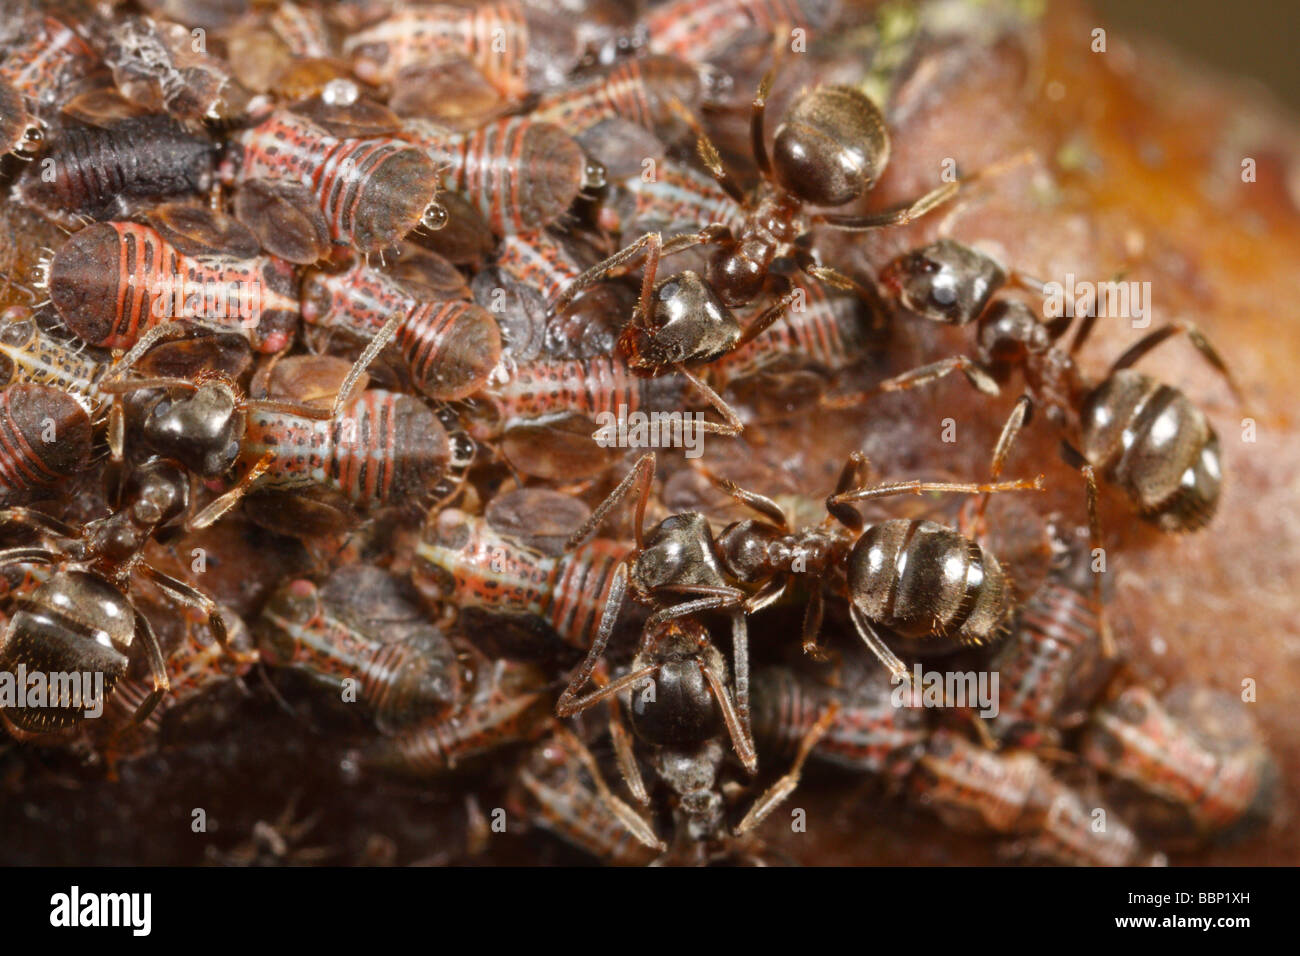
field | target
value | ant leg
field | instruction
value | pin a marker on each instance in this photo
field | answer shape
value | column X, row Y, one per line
column 708, row 153
column 847, row 515
column 987, row 740
column 161, row 684
column 978, row 377
column 877, row 646
column 116, row 434
column 769, row 593
column 626, row 682
column 779, row 791
column 732, row 426
column 757, row 116
column 37, row 521
column 740, row 670
column 567, row 705
column 768, row 317
column 916, row 487
column 631, row 820
column 713, row 233
column 602, row 269
column 259, row 384
column 1075, row 458
column 1203, row 345
column 30, row 555
column 649, row 272
column 1082, row 333
column 219, row 506
column 1094, row 542
column 301, row 409
column 899, row 215
column 165, row 330
column 139, row 384
column 188, row 594
column 639, row 477
column 376, row 345
column 812, row 624
column 906, row 212
column 838, row 280
column 625, row 755
column 975, row 373
column 1020, row 414
column 1025, row 281
column 740, row 739
column 1095, row 546
column 761, row 504
column 716, row 599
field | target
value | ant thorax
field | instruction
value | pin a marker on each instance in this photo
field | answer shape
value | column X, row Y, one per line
column 739, row 270
column 756, row 550
column 811, row 550
column 1054, row 377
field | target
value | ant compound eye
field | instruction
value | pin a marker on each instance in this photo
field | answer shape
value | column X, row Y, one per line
column 943, row 292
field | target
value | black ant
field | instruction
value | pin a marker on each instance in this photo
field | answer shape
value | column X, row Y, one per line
column 678, row 705
column 1144, row 436
column 915, row 579
column 829, row 150
column 82, row 617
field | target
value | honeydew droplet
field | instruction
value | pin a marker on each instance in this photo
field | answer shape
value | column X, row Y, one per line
column 340, row 93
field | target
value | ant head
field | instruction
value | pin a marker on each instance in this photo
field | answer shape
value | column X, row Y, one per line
column 679, row 550
column 946, row 281
column 831, row 147
column 201, row 430
column 689, row 323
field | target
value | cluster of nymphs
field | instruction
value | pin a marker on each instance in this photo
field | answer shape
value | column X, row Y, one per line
column 366, row 275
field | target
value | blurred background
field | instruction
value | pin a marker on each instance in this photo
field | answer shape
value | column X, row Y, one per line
column 1249, row 38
